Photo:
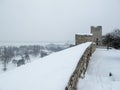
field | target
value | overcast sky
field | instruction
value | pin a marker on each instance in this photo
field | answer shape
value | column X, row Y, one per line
column 55, row 20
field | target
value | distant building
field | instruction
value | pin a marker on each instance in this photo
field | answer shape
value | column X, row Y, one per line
column 95, row 36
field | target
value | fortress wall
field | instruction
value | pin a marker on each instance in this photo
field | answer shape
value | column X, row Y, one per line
column 82, row 39
column 81, row 68
column 97, row 34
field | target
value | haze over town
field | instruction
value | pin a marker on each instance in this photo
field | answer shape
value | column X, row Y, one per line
column 55, row 20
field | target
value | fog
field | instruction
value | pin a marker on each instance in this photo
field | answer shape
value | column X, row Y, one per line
column 55, row 20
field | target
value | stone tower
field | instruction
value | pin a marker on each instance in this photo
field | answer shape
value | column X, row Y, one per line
column 97, row 34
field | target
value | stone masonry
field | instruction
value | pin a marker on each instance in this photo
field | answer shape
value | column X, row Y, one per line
column 81, row 68
column 95, row 36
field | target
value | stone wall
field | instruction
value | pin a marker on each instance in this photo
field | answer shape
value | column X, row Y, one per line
column 81, row 68
column 82, row 39
column 95, row 36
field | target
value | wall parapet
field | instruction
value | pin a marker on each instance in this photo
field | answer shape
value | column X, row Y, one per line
column 81, row 68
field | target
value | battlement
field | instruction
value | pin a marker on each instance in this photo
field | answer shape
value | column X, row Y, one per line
column 96, row 29
column 95, row 36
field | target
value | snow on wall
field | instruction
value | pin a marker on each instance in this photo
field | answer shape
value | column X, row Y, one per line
column 84, row 34
column 81, row 68
column 49, row 73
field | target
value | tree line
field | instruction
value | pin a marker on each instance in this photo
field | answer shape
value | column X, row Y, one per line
column 112, row 39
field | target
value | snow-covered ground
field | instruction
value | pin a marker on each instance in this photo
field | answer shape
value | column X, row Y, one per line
column 49, row 73
column 44, row 49
column 97, row 76
column 11, row 66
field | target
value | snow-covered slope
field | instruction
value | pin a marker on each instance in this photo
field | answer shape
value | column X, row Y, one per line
column 49, row 73
column 102, row 63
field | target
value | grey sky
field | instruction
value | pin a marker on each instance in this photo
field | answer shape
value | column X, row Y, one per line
column 55, row 20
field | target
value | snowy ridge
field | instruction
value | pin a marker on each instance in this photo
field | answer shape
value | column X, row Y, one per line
column 49, row 73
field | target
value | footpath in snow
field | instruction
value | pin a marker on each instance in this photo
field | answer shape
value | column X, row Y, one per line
column 102, row 63
column 49, row 73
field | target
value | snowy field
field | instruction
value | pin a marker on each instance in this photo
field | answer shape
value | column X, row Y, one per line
column 97, row 76
column 49, row 73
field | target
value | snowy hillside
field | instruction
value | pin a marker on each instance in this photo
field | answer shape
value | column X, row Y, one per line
column 102, row 63
column 28, row 52
column 49, row 73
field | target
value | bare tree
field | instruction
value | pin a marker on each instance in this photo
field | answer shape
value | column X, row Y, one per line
column 27, row 57
column 5, row 57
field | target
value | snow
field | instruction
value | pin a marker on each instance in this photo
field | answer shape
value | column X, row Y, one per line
column 46, row 48
column 49, row 73
column 89, row 34
column 97, row 76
